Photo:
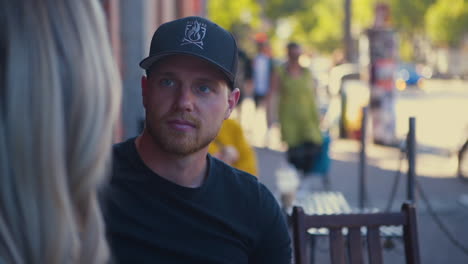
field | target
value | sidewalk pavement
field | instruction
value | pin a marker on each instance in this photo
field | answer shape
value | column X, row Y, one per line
column 436, row 172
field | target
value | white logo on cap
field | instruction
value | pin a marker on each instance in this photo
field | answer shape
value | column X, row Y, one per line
column 194, row 33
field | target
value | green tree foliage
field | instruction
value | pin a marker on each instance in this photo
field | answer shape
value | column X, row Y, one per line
column 447, row 22
column 234, row 14
column 363, row 14
column 408, row 20
column 406, row 49
column 320, row 23
column 275, row 9
column 327, row 35
column 240, row 17
column 315, row 23
column 408, row 15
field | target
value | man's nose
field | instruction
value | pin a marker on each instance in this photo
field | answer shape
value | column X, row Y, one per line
column 185, row 99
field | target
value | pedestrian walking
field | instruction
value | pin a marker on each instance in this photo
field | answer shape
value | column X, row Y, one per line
column 262, row 72
column 297, row 110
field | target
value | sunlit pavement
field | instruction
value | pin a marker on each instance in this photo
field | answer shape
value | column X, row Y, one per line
column 441, row 112
column 431, row 164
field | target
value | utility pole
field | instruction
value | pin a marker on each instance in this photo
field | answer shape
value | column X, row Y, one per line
column 348, row 42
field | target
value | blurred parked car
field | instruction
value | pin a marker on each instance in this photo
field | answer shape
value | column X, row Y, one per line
column 411, row 75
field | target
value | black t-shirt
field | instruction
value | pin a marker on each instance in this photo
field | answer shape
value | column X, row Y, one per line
column 231, row 218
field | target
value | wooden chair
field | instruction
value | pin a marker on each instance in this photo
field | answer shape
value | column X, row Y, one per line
column 406, row 218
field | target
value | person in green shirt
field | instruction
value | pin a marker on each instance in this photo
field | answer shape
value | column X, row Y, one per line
column 297, row 110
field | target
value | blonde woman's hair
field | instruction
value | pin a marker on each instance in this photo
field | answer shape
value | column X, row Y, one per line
column 59, row 97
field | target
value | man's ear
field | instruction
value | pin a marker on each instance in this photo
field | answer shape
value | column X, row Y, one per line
column 144, row 89
column 233, row 99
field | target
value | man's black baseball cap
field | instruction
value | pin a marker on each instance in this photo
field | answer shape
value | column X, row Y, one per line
column 196, row 36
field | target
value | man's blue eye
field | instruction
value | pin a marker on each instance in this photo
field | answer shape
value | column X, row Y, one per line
column 204, row 89
column 167, row 82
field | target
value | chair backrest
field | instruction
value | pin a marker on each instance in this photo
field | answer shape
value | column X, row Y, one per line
column 406, row 218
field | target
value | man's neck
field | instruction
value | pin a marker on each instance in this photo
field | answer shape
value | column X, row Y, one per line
column 188, row 171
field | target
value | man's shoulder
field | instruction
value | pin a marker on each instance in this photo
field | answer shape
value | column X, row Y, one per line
column 122, row 145
column 231, row 173
column 122, row 149
column 257, row 206
column 241, row 181
column 124, row 158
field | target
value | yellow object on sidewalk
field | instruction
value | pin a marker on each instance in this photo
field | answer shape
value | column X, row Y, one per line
column 232, row 147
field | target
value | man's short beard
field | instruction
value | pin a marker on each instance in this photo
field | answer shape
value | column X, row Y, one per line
column 179, row 144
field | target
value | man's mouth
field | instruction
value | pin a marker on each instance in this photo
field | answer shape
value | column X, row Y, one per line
column 182, row 124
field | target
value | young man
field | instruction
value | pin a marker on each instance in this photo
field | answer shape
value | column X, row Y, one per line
column 168, row 200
